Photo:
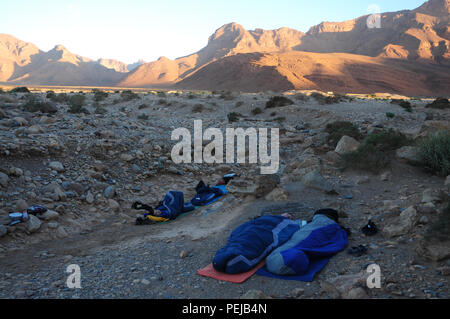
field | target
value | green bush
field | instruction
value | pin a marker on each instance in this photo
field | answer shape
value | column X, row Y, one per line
column 435, row 153
column 1, row 91
column 301, row 97
column 390, row 115
column 439, row 103
column 239, row 104
column 59, row 98
column 227, row 95
column 76, row 103
column 233, row 117
column 376, row 151
column 100, row 110
column 404, row 104
column 99, row 95
column 338, row 129
column 129, row 95
column 161, row 94
column 50, row 95
column 257, row 111
column 198, row 108
column 323, row 99
column 143, row 117
column 22, row 89
column 278, row 101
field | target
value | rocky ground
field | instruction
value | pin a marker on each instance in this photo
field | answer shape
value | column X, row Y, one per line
column 88, row 169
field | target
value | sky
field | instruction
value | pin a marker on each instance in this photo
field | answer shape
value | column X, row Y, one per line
column 146, row 29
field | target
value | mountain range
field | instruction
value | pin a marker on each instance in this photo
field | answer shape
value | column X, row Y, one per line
column 408, row 54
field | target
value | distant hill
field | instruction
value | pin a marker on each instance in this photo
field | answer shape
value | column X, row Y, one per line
column 408, row 54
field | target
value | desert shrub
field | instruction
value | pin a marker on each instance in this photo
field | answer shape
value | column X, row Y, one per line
column 376, row 151
column 439, row 103
column 129, row 95
column 99, row 95
column 1, row 91
column 323, row 99
column 233, row 117
column 100, row 110
column 257, row 111
column 390, row 115
column 22, row 89
column 198, row 108
column 162, row 102
column 337, row 130
column 58, row 98
column 76, row 103
column 34, row 104
column 226, row 95
column 273, row 114
column 301, row 97
column 143, row 117
column 161, row 94
column 278, row 101
column 280, row 119
column 143, row 106
column 404, row 104
column 440, row 229
column 239, row 104
column 50, row 95
column 434, row 153
column 116, row 101
column 116, row 92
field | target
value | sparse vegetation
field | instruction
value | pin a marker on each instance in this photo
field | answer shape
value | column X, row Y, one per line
column 439, row 103
column 21, row 89
column 100, row 110
column 404, row 104
column 278, row 101
column 390, row 115
column 76, row 103
column 227, row 95
column 376, row 152
column 129, row 95
column 198, row 108
column 143, row 106
column 99, row 95
column 35, row 105
column 239, row 104
column 435, row 153
column 1, row 91
column 143, row 117
column 323, row 99
column 161, row 94
column 301, row 97
column 233, row 117
column 337, row 130
column 257, row 111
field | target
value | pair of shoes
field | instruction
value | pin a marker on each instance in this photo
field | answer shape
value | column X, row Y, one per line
column 358, row 251
column 370, row 229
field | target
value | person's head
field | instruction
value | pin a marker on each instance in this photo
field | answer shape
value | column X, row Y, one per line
column 330, row 213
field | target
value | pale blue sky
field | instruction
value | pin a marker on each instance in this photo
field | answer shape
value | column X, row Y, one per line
column 134, row 29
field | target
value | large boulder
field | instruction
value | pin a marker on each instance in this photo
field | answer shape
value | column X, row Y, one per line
column 346, row 144
column 401, row 225
column 435, row 251
column 315, row 180
column 409, row 154
column 261, row 186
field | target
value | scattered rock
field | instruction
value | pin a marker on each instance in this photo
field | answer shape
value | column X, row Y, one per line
column 109, row 192
column 402, row 224
column 4, row 179
column 49, row 215
column 346, row 144
column 21, row 205
column 33, row 224
column 277, row 195
column 115, row 206
column 61, row 232
column 3, row 231
column 431, row 196
column 57, row 166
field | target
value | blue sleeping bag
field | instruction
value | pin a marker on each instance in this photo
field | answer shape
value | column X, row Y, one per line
column 173, row 205
column 309, row 249
column 207, row 195
column 251, row 242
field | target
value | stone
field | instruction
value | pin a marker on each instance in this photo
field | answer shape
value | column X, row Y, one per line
column 49, row 215
column 346, row 286
column 115, row 206
column 277, row 195
column 57, row 166
column 89, row 198
column 35, row 129
column 346, row 144
column 386, row 176
column 21, row 205
column 109, row 192
column 183, row 254
column 401, row 225
column 356, row 293
column 53, row 225
column 33, row 224
column 78, row 188
column 3, row 231
column 61, row 232
column 447, row 182
column 408, row 154
column 435, row 251
column 317, row 181
column 254, row 294
column 261, row 186
column 3, row 179
column 126, row 157
column 430, row 196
